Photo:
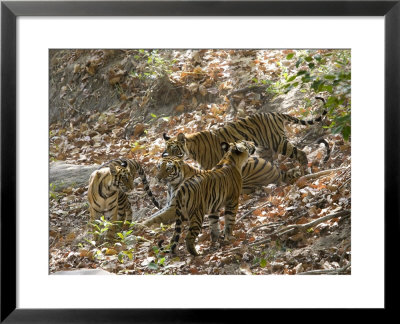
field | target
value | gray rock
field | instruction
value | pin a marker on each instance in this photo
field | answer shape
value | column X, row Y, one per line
column 63, row 175
column 93, row 272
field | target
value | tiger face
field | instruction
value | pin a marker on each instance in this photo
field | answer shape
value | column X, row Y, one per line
column 123, row 177
column 175, row 147
column 169, row 170
column 238, row 152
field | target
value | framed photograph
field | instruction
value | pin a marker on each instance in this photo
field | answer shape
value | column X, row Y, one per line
column 123, row 124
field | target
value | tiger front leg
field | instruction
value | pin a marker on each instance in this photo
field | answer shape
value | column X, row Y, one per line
column 93, row 214
column 214, row 225
column 194, row 230
column 124, row 207
column 230, row 216
column 114, row 217
column 175, row 237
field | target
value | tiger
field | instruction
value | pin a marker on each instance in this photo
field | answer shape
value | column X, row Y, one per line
column 173, row 171
column 108, row 186
column 266, row 130
column 207, row 192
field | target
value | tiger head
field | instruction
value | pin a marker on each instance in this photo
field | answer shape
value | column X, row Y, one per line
column 122, row 174
column 170, row 170
column 237, row 153
column 175, row 147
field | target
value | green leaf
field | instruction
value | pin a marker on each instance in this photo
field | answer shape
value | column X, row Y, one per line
column 316, row 85
column 330, row 77
column 292, row 78
column 289, row 56
column 346, row 132
column 306, row 78
column 337, row 129
column 263, row 263
column 121, row 257
column 308, row 59
column 120, row 235
column 153, row 115
column 311, row 65
column 152, row 266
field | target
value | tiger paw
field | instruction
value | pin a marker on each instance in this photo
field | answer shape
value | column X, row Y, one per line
column 215, row 237
column 214, row 245
column 228, row 238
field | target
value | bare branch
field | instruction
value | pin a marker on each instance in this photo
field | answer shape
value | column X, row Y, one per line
column 302, row 227
column 251, row 210
column 327, row 271
column 320, row 174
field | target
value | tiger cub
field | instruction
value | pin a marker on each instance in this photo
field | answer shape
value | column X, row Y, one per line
column 173, row 171
column 207, row 192
column 108, row 186
column 266, row 130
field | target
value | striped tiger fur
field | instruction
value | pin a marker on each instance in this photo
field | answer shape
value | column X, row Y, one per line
column 173, row 171
column 266, row 130
column 207, row 192
column 108, row 186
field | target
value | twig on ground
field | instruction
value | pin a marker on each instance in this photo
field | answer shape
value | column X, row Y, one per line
column 303, row 227
column 344, row 254
column 343, row 184
column 297, row 227
column 320, row 174
column 327, row 271
column 264, row 225
column 251, row 210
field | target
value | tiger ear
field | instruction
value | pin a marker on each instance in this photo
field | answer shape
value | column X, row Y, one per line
column 225, row 146
column 239, row 148
column 166, row 137
column 181, row 137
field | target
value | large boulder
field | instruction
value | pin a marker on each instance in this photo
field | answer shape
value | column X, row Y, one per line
column 63, row 175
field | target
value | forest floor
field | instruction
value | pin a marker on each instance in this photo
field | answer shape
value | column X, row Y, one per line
column 106, row 104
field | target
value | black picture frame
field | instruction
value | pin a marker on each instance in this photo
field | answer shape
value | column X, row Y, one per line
column 10, row 10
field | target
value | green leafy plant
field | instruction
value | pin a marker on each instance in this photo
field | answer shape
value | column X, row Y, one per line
column 158, row 261
column 101, row 228
column 125, row 255
column 53, row 193
column 326, row 74
column 126, row 237
column 156, row 65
